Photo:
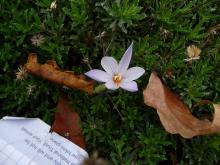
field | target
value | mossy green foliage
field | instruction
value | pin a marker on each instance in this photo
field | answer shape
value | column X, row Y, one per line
column 79, row 32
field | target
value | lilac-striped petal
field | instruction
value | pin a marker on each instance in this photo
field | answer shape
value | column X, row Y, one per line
column 98, row 75
column 111, row 85
column 125, row 60
column 133, row 74
column 129, row 86
column 110, row 65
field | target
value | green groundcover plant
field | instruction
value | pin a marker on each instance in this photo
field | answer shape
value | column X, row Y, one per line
column 78, row 33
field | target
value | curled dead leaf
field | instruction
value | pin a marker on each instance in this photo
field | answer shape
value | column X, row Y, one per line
column 51, row 71
column 67, row 123
column 174, row 114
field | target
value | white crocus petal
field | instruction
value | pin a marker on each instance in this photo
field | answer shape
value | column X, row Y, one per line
column 129, row 86
column 110, row 65
column 125, row 60
column 111, row 85
column 133, row 74
column 98, row 75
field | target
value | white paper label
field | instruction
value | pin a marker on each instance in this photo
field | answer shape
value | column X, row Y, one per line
column 26, row 141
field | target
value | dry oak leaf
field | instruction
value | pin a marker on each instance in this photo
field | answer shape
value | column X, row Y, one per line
column 67, row 123
column 51, row 71
column 174, row 114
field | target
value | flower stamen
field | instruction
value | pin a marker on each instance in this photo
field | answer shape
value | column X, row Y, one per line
column 117, row 79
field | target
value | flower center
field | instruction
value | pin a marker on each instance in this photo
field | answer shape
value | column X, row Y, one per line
column 117, row 79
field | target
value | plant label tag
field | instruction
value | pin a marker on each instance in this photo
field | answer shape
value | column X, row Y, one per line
column 28, row 141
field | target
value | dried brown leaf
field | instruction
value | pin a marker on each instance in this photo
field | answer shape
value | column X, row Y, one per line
column 67, row 123
column 50, row 71
column 174, row 114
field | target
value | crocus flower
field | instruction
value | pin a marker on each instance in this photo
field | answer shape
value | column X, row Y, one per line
column 117, row 74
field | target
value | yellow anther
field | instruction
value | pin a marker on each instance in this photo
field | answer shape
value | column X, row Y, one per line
column 117, row 79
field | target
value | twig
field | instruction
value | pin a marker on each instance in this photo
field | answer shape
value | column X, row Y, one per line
column 114, row 106
column 108, row 47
